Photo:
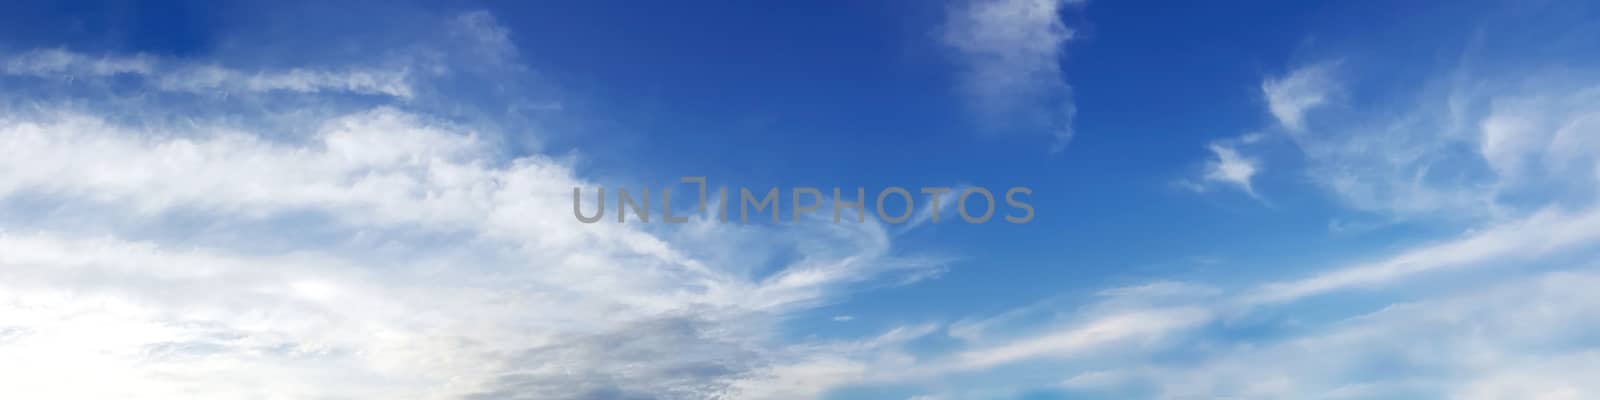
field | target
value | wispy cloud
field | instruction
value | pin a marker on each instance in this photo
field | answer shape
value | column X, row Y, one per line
column 1127, row 338
column 1480, row 343
column 173, row 75
column 1011, row 54
column 1120, row 330
column 386, row 249
column 1470, row 146
column 1507, row 175
column 1289, row 97
column 62, row 63
column 1229, row 166
column 1546, row 232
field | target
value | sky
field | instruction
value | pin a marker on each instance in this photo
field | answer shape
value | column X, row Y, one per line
column 1240, row 200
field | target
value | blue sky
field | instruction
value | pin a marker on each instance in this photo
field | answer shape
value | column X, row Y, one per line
column 1249, row 200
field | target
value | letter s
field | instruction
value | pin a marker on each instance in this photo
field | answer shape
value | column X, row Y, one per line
column 1010, row 201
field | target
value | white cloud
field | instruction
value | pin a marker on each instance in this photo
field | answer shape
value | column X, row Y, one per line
column 1291, row 96
column 1229, row 166
column 1519, row 339
column 1512, row 335
column 1549, row 231
column 532, row 277
column 1095, row 379
column 1540, row 134
column 1478, row 316
column 1011, row 50
column 1159, row 290
column 373, row 252
column 385, row 252
column 1123, row 330
column 62, row 63
column 215, row 79
column 1471, row 146
column 808, row 371
column 210, row 78
column 1120, row 341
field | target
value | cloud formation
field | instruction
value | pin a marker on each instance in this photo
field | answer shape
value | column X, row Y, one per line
column 173, row 246
column 208, row 78
column 1229, row 166
column 446, row 270
column 363, row 251
column 1010, row 52
column 1289, row 97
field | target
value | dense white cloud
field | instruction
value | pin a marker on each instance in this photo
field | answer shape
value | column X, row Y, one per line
column 526, row 289
column 376, row 252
